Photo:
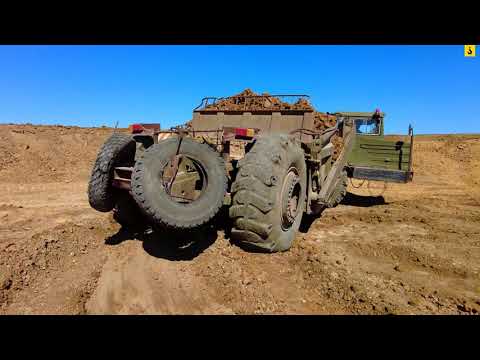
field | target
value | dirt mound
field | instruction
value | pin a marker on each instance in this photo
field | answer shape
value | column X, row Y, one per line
column 48, row 153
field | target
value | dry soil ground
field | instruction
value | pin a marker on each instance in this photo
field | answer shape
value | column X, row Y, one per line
column 414, row 250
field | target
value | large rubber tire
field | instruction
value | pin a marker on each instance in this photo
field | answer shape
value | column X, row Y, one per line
column 151, row 196
column 259, row 192
column 118, row 149
column 339, row 191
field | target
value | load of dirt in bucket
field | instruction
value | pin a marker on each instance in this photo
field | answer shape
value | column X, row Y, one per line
column 251, row 101
column 323, row 121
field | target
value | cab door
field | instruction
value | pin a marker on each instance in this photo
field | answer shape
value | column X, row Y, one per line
column 374, row 158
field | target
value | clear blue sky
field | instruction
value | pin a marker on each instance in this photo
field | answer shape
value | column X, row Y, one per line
column 433, row 87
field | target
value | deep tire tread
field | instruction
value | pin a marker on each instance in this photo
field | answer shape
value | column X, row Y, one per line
column 101, row 194
column 255, row 193
column 340, row 190
column 153, row 212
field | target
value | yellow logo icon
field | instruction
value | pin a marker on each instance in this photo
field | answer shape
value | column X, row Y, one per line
column 470, row 50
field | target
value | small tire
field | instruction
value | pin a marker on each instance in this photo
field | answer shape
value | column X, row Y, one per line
column 270, row 177
column 118, row 149
column 152, row 197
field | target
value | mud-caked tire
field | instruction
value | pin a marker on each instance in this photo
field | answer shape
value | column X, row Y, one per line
column 268, row 195
column 339, row 191
column 151, row 196
column 118, row 149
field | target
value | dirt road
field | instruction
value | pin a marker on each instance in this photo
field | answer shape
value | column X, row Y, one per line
column 414, row 250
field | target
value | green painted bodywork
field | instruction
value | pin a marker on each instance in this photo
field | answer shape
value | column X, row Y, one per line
column 352, row 115
column 375, row 151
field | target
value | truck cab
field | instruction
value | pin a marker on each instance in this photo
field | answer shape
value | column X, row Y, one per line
column 372, row 156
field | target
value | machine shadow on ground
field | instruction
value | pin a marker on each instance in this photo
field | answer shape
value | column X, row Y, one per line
column 307, row 221
column 363, row 201
column 175, row 245
column 184, row 245
column 167, row 244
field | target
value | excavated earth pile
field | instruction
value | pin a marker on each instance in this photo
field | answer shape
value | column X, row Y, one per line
column 249, row 100
column 412, row 250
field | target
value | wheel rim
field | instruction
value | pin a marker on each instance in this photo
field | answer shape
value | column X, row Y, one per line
column 291, row 191
column 187, row 183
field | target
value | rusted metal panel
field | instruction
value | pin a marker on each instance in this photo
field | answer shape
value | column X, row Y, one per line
column 203, row 122
column 124, row 184
column 308, row 123
column 122, row 177
column 283, row 123
column 336, row 169
column 275, row 122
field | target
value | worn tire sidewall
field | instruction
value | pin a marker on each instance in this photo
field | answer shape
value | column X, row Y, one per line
column 167, row 210
column 284, row 238
column 101, row 193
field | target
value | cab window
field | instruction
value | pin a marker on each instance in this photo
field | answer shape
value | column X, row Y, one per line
column 367, row 126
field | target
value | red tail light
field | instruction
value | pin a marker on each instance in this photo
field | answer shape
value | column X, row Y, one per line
column 244, row 132
column 240, row 132
column 136, row 128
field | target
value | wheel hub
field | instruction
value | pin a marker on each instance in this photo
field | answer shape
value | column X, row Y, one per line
column 184, row 179
column 290, row 197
